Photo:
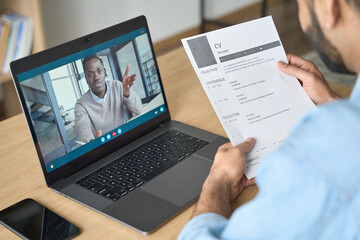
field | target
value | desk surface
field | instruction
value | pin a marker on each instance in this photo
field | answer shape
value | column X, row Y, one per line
column 21, row 176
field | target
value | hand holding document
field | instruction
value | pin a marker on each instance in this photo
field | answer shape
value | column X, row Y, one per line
column 237, row 67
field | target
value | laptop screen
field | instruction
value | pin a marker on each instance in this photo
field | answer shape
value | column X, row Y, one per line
column 84, row 100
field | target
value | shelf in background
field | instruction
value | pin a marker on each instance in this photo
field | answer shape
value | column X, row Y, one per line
column 5, row 77
column 9, row 105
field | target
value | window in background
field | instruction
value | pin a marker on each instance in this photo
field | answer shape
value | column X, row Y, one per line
column 67, row 92
column 126, row 56
column 148, row 65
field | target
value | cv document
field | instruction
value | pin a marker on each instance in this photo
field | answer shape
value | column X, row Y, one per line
column 237, row 67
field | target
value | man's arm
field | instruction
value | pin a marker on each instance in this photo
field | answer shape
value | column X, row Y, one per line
column 133, row 103
column 128, row 81
column 131, row 99
column 83, row 124
column 310, row 78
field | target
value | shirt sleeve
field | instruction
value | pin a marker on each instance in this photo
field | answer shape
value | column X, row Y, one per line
column 279, row 214
column 83, row 124
column 204, row 226
column 133, row 103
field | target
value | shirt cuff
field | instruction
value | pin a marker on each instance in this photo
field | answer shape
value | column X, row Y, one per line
column 203, row 225
column 129, row 100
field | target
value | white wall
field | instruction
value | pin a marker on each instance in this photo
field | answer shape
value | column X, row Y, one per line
column 65, row 20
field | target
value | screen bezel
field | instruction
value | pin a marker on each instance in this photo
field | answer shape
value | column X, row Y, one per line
column 74, row 46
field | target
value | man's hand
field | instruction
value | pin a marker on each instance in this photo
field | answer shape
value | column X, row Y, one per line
column 226, row 179
column 310, row 78
column 230, row 164
column 128, row 81
column 98, row 134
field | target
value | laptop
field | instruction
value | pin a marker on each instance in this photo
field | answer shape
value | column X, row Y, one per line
column 121, row 154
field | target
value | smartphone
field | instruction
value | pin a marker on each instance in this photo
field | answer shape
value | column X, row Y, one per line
column 30, row 220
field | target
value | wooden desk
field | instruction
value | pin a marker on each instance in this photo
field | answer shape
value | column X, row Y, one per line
column 21, row 176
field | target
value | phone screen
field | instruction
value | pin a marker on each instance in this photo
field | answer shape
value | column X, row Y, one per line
column 30, row 220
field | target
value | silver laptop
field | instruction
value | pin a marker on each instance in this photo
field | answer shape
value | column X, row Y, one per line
column 98, row 116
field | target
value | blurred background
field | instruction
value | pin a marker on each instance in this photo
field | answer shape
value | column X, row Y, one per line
column 56, row 22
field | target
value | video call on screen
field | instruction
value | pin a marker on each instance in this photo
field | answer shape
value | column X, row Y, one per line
column 51, row 96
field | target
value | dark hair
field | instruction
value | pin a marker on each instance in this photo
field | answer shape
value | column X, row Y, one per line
column 355, row 3
column 88, row 58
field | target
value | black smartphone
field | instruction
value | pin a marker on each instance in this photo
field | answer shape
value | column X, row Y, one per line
column 30, row 220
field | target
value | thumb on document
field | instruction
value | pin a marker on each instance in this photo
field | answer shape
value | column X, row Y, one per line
column 282, row 65
column 247, row 145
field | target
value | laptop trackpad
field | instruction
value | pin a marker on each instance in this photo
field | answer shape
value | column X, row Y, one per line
column 182, row 183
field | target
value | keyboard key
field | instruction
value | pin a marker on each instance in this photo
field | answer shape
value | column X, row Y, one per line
column 100, row 175
column 104, row 180
column 115, row 167
column 94, row 180
column 103, row 189
column 153, row 167
column 86, row 184
column 132, row 164
column 135, row 170
column 119, row 172
column 129, row 188
column 120, row 178
column 138, row 183
column 112, row 191
column 136, row 155
column 129, row 159
column 120, row 164
column 122, row 193
column 113, row 183
column 95, row 186
column 115, row 197
column 124, row 184
column 125, row 168
column 139, row 175
column 128, row 174
column 145, row 171
column 131, row 179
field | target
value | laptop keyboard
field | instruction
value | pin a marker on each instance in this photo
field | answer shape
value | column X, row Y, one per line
column 141, row 165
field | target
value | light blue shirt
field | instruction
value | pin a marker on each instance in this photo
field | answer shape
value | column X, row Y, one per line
column 308, row 189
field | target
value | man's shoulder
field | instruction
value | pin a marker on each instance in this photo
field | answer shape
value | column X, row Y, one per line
column 335, row 116
column 115, row 88
column 327, row 140
column 115, row 83
column 83, row 100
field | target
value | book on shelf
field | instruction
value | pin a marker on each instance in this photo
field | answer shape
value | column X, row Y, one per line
column 15, row 39
column 4, row 36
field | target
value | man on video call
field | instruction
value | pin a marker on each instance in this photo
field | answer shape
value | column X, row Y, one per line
column 310, row 187
column 102, row 107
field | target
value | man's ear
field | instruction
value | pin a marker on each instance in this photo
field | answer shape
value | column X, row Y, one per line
column 331, row 13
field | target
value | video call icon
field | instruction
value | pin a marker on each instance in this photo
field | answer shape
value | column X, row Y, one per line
column 119, row 131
